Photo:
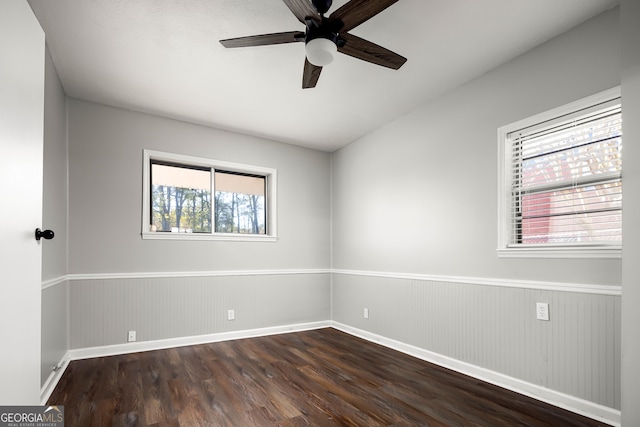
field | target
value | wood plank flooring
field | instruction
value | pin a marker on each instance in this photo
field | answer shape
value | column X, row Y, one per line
column 319, row 378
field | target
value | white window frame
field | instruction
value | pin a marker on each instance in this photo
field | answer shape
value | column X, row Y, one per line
column 504, row 189
column 271, row 178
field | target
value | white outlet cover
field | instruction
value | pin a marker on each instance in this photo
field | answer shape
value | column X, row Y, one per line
column 231, row 314
column 542, row 311
column 132, row 336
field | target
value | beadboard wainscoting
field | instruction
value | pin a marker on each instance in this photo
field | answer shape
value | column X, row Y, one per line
column 488, row 329
column 55, row 333
column 485, row 328
column 161, row 306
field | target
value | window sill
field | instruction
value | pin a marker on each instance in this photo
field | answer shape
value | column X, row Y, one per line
column 201, row 236
column 561, row 252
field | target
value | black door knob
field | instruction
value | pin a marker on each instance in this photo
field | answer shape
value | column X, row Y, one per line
column 46, row 234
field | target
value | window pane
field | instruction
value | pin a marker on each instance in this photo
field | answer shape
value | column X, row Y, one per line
column 573, row 163
column 573, row 215
column 566, row 180
column 589, row 130
column 180, row 199
column 239, row 203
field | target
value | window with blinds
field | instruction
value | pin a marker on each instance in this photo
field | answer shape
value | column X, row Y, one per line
column 563, row 180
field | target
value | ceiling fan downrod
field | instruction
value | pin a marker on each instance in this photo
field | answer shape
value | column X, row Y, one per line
column 322, row 6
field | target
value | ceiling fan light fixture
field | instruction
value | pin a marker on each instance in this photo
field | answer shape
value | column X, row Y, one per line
column 320, row 51
column 325, row 36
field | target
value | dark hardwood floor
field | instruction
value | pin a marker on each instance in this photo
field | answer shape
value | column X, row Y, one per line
column 320, row 378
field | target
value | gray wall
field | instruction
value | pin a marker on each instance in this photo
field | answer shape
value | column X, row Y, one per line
column 630, row 19
column 420, row 194
column 105, row 186
column 54, row 337
column 419, row 197
column 54, row 197
column 161, row 300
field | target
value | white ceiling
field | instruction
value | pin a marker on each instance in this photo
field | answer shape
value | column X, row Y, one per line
column 163, row 57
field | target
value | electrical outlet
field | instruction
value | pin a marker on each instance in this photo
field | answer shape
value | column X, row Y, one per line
column 231, row 314
column 132, row 336
column 366, row 313
column 542, row 311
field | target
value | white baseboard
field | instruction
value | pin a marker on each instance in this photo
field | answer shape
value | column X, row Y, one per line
column 571, row 403
column 135, row 347
column 51, row 382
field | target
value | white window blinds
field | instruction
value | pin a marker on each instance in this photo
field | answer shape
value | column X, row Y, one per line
column 566, row 180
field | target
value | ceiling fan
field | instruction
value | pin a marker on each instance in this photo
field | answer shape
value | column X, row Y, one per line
column 326, row 35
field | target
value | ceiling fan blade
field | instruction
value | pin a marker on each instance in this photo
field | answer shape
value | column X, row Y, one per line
column 310, row 75
column 371, row 52
column 356, row 12
column 264, row 39
column 303, row 9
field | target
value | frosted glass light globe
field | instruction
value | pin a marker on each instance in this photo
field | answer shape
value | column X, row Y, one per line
column 320, row 51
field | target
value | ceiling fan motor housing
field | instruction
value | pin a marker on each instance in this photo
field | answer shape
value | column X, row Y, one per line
column 325, row 30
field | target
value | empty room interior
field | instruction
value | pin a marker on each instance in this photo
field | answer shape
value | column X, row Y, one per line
column 241, row 230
